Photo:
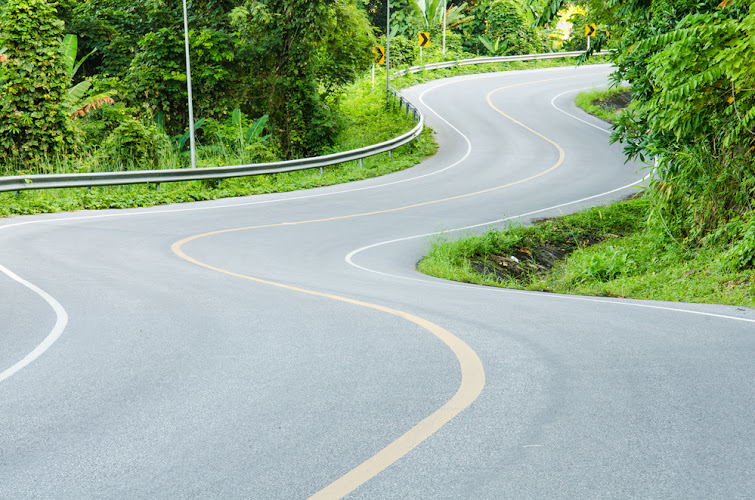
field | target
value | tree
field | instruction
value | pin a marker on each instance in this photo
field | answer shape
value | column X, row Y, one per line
column 34, row 118
column 689, row 63
column 301, row 50
column 506, row 20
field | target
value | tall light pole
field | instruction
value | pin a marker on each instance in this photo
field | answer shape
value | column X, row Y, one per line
column 445, row 9
column 387, row 51
column 188, row 86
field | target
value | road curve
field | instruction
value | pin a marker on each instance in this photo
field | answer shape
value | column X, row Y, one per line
column 284, row 346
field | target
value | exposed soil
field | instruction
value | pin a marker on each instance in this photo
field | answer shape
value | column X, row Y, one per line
column 520, row 266
column 537, row 259
column 617, row 101
column 527, row 263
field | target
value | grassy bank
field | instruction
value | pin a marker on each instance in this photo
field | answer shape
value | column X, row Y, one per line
column 605, row 104
column 605, row 251
column 620, row 250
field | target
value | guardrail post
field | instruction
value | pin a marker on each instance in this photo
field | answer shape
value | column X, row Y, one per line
column 321, row 171
column 361, row 162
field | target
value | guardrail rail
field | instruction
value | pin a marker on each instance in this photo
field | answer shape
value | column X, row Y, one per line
column 54, row 181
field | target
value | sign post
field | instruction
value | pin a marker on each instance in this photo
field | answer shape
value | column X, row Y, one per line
column 589, row 33
column 379, row 58
column 424, row 41
column 445, row 10
column 387, row 52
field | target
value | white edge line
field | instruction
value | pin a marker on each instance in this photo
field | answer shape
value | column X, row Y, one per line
column 57, row 330
column 62, row 315
column 553, row 103
column 143, row 212
column 349, row 258
column 447, row 283
column 284, row 198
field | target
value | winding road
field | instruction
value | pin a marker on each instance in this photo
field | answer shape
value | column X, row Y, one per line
column 284, row 346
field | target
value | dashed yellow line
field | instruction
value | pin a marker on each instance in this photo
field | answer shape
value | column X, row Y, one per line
column 472, row 372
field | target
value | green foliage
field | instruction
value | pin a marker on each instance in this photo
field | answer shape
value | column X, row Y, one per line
column 694, row 93
column 238, row 135
column 156, row 78
column 34, row 119
column 79, row 100
column 741, row 254
column 495, row 48
column 115, row 27
column 404, row 19
column 403, row 51
column 693, row 110
column 610, row 252
column 698, row 189
column 504, row 19
column 181, row 141
column 604, row 264
column 287, row 42
column 135, row 144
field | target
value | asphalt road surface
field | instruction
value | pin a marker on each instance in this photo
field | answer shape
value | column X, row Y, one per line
column 284, row 346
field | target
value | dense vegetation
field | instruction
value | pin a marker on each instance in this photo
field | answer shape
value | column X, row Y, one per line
column 691, row 236
column 102, row 85
column 604, row 251
column 689, row 64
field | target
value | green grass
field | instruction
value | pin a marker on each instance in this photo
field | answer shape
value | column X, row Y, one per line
column 608, row 252
column 594, row 103
column 367, row 121
column 425, row 76
column 59, row 200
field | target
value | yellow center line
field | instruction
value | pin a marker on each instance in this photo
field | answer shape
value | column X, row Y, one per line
column 559, row 162
column 472, row 382
column 472, row 372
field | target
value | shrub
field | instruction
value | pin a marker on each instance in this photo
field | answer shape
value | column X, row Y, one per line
column 504, row 19
column 134, row 144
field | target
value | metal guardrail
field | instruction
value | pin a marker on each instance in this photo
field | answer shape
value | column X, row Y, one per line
column 489, row 60
column 53, row 181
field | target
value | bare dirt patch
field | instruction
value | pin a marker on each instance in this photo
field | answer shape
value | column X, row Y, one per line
column 615, row 102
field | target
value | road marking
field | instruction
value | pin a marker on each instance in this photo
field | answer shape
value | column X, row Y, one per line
column 473, row 375
column 142, row 211
column 438, row 282
column 553, row 103
column 62, row 317
column 60, row 324
column 472, row 382
column 349, row 258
